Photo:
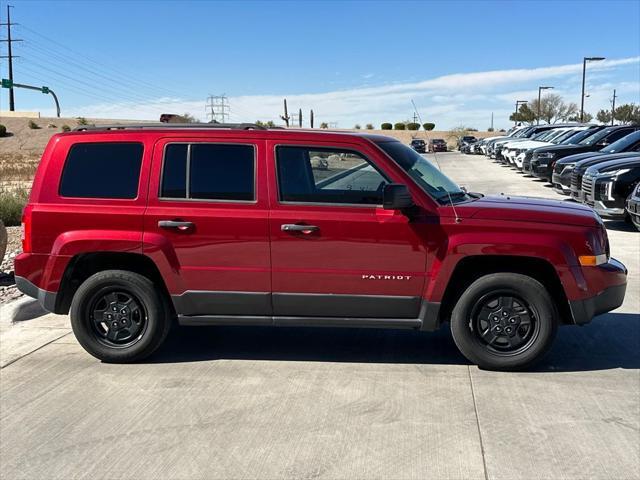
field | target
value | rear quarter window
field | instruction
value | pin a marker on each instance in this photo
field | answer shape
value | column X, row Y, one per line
column 102, row 170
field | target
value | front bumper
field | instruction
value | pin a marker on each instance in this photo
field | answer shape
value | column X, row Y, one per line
column 561, row 183
column 614, row 274
column 540, row 171
column 633, row 209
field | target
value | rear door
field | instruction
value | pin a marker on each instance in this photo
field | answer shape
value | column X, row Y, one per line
column 206, row 225
column 335, row 251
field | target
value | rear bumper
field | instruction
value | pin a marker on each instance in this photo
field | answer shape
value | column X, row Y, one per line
column 46, row 299
column 614, row 274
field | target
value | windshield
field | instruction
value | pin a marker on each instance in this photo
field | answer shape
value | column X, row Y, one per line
column 623, row 144
column 578, row 137
column 555, row 134
column 597, row 137
column 523, row 132
column 565, row 135
column 430, row 179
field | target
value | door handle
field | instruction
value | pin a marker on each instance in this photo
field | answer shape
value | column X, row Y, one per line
column 180, row 225
column 294, row 227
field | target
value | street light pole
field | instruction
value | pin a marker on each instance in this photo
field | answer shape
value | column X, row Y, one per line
column 518, row 103
column 584, row 72
column 613, row 106
column 539, row 92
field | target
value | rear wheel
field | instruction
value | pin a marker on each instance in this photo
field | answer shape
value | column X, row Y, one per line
column 504, row 321
column 119, row 317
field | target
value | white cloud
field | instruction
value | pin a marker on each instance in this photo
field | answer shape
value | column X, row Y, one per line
column 467, row 98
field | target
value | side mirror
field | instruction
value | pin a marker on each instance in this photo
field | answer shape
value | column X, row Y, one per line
column 396, row 196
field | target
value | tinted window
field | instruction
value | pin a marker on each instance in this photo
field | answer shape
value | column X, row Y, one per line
column 216, row 172
column 102, row 170
column 174, row 173
column 221, row 172
column 625, row 143
column 318, row 175
column 618, row 134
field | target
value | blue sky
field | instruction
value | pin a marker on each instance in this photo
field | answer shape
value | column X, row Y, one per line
column 352, row 62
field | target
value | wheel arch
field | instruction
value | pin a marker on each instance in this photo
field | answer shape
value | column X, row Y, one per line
column 470, row 268
column 83, row 265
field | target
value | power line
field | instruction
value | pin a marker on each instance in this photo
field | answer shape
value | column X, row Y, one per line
column 115, row 71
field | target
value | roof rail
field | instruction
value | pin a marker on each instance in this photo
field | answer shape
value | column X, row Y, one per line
column 169, row 126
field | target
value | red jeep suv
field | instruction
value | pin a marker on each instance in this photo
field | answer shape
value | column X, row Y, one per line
column 130, row 228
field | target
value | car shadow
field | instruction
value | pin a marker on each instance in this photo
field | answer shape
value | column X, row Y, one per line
column 610, row 341
column 619, row 225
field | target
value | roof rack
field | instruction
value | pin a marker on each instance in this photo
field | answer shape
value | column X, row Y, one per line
column 170, row 126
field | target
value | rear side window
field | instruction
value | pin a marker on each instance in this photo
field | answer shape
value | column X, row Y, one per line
column 102, row 170
column 208, row 171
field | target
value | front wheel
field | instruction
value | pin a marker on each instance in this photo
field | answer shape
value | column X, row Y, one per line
column 119, row 317
column 504, row 321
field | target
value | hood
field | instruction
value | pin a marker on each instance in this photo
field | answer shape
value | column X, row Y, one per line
column 528, row 209
column 563, row 148
column 590, row 161
column 577, row 157
column 531, row 144
column 613, row 165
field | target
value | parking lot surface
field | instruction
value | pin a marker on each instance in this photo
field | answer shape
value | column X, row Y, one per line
column 246, row 402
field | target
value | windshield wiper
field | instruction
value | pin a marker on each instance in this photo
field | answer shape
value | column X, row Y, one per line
column 451, row 196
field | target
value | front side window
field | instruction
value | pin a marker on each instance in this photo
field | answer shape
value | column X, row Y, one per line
column 102, row 170
column 327, row 175
column 209, row 171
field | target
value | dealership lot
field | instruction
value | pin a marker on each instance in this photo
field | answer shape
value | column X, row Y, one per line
column 246, row 402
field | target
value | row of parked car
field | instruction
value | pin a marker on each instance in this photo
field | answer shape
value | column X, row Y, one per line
column 597, row 165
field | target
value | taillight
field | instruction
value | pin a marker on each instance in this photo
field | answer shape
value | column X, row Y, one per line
column 26, row 229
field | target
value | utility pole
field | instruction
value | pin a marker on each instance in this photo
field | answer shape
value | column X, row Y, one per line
column 300, row 118
column 492, row 121
column 10, row 56
column 613, row 105
column 415, row 117
column 539, row 100
column 311, row 119
column 217, row 106
column 286, row 116
column 584, row 73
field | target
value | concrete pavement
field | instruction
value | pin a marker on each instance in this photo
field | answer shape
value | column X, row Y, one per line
column 236, row 402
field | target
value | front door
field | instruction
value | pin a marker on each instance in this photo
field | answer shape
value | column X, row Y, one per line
column 335, row 251
column 206, row 225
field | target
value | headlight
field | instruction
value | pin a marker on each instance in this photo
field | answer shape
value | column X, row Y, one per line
column 545, row 155
column 612, row 175
column 568, row 167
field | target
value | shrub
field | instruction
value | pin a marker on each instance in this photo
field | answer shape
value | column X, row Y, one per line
column 3, row 131
column 472, row 129
column 82, row 121
column 413, row 126
column 11, row 206
column 357, row 126
column 324, row 125
column 386, row 126
column 66, row 128
column 369, row 126
column 429, row 126
column 33, row 125
column 399, row 126
column 52, row 125
column 490, row 129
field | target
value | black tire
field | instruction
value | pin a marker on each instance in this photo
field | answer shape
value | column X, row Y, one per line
column 533, row 315
column 145, row 323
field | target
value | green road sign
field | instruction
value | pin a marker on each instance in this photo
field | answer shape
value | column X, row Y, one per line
column 45, row 89
column 6, row 83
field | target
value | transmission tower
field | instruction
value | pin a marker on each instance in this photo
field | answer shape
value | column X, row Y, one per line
column 217, row 108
